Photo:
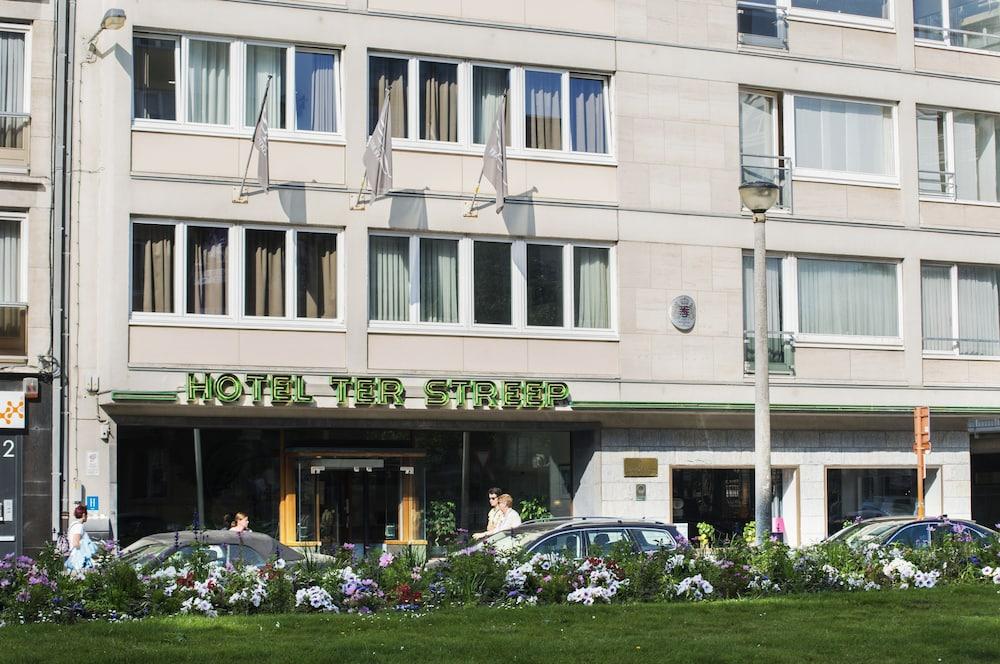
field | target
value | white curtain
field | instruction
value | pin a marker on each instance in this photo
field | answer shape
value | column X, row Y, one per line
column 931, row 157
column 315, row 92
column 773, row 294
column 11, row 88
column 976, row 156
column 848, row 297
column 10, row 278
column 439, row 281
column 843, row 136
column 543, row 110
column 208, row 82
column 586, row 110
column 936, row 307
column 389, row 277
column 488, row 86
column 979, row 310
column 590, row 287
column 264, row 61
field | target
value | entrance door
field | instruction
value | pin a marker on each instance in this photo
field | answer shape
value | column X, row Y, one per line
column 722, row 497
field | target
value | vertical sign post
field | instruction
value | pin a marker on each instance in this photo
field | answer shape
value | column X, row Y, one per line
column 921, row 446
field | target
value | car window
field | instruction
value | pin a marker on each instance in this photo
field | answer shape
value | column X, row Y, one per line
column 600, row 541
column 942, row 531
column 650, row 539
column 214, row 553
column 567, row 545
column 915, row 536
column 240, row 553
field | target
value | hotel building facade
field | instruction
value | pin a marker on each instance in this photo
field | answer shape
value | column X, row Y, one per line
column 339, row 370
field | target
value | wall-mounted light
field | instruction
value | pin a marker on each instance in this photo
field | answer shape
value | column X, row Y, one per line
column 113, row 19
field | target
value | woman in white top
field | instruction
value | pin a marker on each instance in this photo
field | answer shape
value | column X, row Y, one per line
column 81, row 548
column 510, row 519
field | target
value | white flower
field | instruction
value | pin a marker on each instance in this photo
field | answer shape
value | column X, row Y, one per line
column 279, row 563
column 317, row 598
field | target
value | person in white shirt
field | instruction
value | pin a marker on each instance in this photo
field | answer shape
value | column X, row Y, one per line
column 494, row 517
column 511, row 519
column 81, row 548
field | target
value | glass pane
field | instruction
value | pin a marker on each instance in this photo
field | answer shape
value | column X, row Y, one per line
column 207, row 258
column 13, row 315
column 389, row 278
column 870, row 8
column 315, row 91
column 586, row 115
column 848, row 297
column 542, row 110
column 932, row 157
column 600, row 542
column 869, row 492
column 491, row 276
column 152, row 268
column 545, row 285
column 438, row 281
column 928, row 13
column 317, row 275
column 438, row 101
column 154, row 78
column 489, row 84
column 773, row 294
column 566, row 545
column 12, row 89
column 979, row 22
column 264, row 61
column 936, row 307
column 844, row 136
column 977, row 156
column 208, row 82
column 722, row 497
column 653, row 540
column 978, row 310
column 265, row 273
column 388, row 74
column 591, row 288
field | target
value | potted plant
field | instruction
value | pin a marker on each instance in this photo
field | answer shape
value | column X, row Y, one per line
column 441, row 525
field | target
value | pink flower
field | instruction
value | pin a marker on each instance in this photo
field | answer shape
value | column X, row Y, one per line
column 385, row 559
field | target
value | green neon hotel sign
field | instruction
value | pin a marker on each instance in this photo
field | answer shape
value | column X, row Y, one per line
column 367, row 391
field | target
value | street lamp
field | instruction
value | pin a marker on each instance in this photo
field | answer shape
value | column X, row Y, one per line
column 759, row 197
column 113, row 19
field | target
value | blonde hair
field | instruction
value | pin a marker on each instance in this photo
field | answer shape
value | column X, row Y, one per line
column 236, row 519
column 506, row 499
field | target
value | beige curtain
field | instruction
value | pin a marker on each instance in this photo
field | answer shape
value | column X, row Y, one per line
column 265, row 273
column 317, row 272
column 543, row 110
column 383, row 74
column 206, row 263
column 438, row 101
column 153, row 268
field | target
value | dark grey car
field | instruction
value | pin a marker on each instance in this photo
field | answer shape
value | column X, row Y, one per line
column 583, row 537
column 222, row 546
column 910, row 532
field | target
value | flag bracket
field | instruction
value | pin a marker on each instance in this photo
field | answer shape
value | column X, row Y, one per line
column 239, row 196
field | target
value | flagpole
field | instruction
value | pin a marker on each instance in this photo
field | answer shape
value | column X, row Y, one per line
column 358, row 205
column 471, row 212
column 241, row 198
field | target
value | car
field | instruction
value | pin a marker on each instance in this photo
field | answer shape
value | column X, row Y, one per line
column 582, row 537
column 907, row 531
column 222, row 547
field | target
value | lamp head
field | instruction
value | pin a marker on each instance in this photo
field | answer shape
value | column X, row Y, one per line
column 113, row 19
column 759, row 197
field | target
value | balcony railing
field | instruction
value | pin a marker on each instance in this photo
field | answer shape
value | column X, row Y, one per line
column 982, row 41
column 762, row 24
column 15, row 138
column 13, row 329
column 938, row 183
column 963, row 346
column 780, row 353
column 769, row 168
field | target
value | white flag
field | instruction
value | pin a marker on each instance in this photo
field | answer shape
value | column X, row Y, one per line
column 378, row 153
column 495, row 155
column 260, row 142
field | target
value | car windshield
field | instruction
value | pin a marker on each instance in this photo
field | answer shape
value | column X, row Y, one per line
column 509, row 540
column 864, row 532
column 147, row 553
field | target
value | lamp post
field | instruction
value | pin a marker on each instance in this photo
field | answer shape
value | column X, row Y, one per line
column 759, row 197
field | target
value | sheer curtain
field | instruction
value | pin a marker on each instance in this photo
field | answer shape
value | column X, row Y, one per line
column 264, row 61
column 152, row 268
column 207, row 250
column 976, row 156
column 389, row 277
column 845, row 136
column 383, row 74
column 265, row 273
column 590, row 287
column 757, row 138
column 11, row 88
column 979, row 310
column 586, row 115
column 315, row 91
column 439, row 281
column 208, row 82
column 773, row 294
column 10, row 277
column 935, row 294
column 317, row 275
column 848, row 297
column 488, row 86
column 543, row 110
column 931, row 156
column 438, row 101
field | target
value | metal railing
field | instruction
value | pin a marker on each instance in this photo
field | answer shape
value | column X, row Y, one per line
column 13, row 329
column 769, row 168
column 963, row 346
column 762, row 24
column 13, row 130
column 938, row 183
column 780, row 352
column 983, row 41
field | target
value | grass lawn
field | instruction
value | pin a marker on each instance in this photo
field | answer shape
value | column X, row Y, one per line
column 950, row 624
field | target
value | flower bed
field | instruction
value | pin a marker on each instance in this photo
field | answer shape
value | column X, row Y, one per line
column 38, row 590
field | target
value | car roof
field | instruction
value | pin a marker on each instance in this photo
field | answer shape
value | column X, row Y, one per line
column 260, row 542
column 566, row 523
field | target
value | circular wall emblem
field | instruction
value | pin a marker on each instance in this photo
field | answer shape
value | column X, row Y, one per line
column 682, row 312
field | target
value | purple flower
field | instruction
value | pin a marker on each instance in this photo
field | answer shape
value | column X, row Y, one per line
column 347, row 546
column 23, row 596
column 385, row 559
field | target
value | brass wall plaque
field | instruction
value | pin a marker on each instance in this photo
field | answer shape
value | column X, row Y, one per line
column 641, row 467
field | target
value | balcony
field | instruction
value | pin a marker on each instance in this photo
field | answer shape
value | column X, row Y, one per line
column 13, row 329
column 762, row 24
column 769, row 168
column 937, row 183
column 780, row 353
column 15, row 139
column 988, row 39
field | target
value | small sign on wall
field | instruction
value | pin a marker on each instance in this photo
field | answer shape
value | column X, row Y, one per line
column 683, row 313
column 92, row 503
column 12, row 410
column 641, row 467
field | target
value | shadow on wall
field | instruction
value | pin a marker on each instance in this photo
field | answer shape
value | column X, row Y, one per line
column 519, row 216
column 292, row 196
column 408, row 210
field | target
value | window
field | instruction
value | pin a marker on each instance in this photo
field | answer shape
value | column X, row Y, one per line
column 600, row 542
column 848, row 297
column 13, row 310
column 866, row 493
column 220, row 83
column 961, row 309
column 961, row 23
column 761, row 143
column 560, row 286
column 839, row 137
column 566, row 545
column 779, row 349
column 878, row 9
column 282, row 274
column 959, row 154
column 650, row 540
column 456, row 102
column 15, row 78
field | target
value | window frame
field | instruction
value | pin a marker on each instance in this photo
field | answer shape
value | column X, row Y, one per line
column 236, row 279
column 466, row 325
column 235, row 127
column 953, row 283
column 516, row 101
column 950, row 156
column 843, row 19
column 946, row 42
column 21, row 219
column 26, row 30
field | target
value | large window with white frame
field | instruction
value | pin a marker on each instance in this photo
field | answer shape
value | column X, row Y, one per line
column 959, row 154
column 13, row 284
column 972, row 24
column 870, row 9
column 452, row 104
column 15, row 90
column 484, row 284
column 222, row 272
column 218, row 84
column 960, row 306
